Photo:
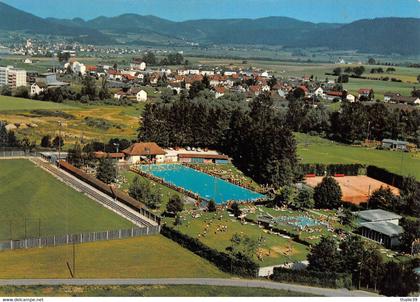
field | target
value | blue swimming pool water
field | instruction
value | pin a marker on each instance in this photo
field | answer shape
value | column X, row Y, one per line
column 206, row 186
column 299, row 221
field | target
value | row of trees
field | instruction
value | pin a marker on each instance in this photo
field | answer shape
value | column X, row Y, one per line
column 171, row 59
column 366, row 265
column 255, row 136
column 355, row 121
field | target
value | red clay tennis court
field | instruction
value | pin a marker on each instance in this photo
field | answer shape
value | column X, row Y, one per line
column 356, row 189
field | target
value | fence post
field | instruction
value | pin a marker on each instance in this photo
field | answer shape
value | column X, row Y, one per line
column 26, row 243
column 81, row 238
column 107, row 235
column 11, row 244
column 147, row 230
column 54, row 240
column 119, row 234
column 132, row 232
column 39, row 243
column 67, row 240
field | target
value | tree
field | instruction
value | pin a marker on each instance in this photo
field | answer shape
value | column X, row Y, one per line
column 411, row 233
column 21, row 92
column 327, row 194
column 27, row 145
column 58, row 142
column 347, row 217
column 383, row 198
column 235, row 209
column 149, row 58
column 6, row 90
column 75, row 156
column 305, row 199
column 359, row 70
column 242, row 246
column 63, row 57
column 352, row 256
column 211, row 206
column 410, row 196
column 418, row 78
column 88, row 87
column 174, row 205
column 398, row 280
column 178, row 220
column 337, row 71
column 324, row 256
column 104, row 91
column 142, row 191
column 106, row 171
column 371, row 61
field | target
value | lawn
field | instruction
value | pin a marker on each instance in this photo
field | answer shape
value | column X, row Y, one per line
column 141, row 257
column 312, row 149
column 11, row 103
column 274, row 249
column 164, row 191
column 32, row 197
column 144, row 291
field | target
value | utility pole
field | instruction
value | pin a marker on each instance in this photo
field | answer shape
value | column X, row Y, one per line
column 74, row 258
column 59, row 143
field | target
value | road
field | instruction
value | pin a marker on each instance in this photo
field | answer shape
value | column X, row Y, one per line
column 329, row 292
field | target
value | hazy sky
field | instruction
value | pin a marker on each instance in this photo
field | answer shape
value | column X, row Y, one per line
column 340, row 11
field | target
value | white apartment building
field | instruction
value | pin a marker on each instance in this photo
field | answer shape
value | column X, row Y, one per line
column 12, row 77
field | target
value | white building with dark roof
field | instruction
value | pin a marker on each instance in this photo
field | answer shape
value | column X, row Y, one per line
column 381, row 226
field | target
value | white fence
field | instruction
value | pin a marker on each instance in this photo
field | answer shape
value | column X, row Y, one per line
column 78, row 238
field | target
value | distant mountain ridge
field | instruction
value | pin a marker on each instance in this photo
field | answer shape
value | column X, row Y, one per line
column 380, row 35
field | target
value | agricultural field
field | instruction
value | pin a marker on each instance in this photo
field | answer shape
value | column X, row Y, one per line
column 35, row 204
column 313, row 149
column 208, row 228
column 140, row 257
column 79, row 122
column 144, row 291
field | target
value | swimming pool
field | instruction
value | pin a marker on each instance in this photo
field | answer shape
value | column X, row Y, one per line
column 206, row 186
column 298, row 221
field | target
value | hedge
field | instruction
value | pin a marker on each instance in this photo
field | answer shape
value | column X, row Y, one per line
column 241, row 266
column 331, row 169
column 307, row 277
column 387, row 177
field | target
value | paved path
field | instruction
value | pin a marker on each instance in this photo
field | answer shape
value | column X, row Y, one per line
column 196, row 281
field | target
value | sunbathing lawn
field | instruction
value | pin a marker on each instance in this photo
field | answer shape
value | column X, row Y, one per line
column 312, row 234
column 165, row 192
column 141, row 257
column 275, row 249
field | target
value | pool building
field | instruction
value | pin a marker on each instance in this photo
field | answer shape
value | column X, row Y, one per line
column 206, row 186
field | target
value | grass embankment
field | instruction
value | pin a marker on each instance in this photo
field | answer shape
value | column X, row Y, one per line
column 144, row 291
column 141, row 257
column 32, row 199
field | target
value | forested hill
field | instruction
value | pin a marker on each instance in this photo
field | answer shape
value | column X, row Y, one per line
column 380, row 35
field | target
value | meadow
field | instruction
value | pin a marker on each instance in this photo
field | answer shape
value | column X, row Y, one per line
column 108, row 121
column 141, row 257
column 313, row 149
column 33, row 203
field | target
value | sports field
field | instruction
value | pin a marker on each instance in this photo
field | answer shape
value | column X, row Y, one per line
column 355, row 189
column 312, row 149
column 141, row 257
column 34, row 203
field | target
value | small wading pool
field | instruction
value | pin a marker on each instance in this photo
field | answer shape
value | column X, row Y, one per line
column 206, row 186
column 298, row 221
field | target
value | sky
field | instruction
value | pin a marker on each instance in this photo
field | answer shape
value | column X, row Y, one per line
column 337, row 11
